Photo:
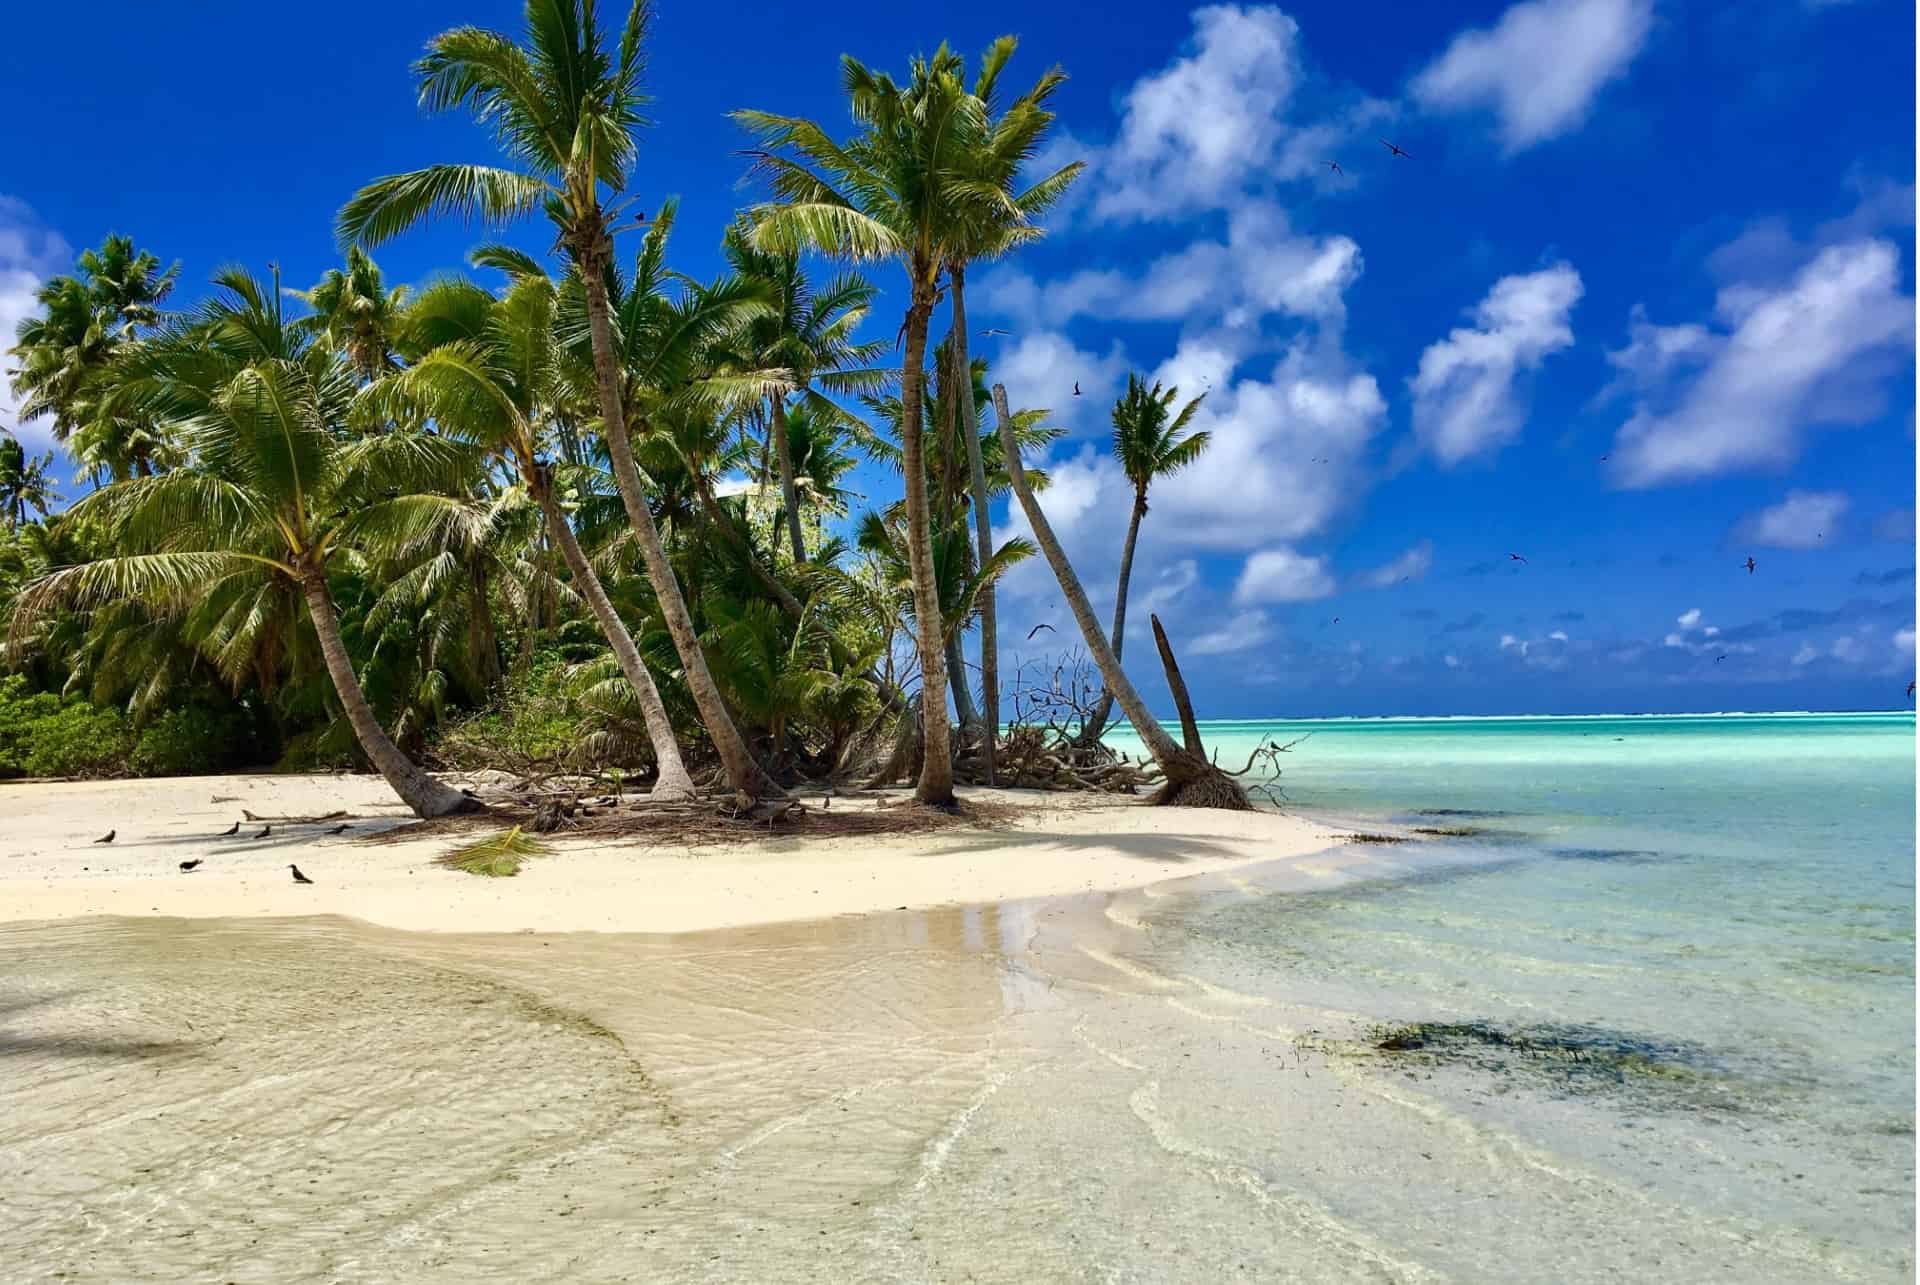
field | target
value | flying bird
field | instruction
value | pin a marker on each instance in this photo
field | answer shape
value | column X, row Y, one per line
column 107, row 837
column 1514, row 557
column 995, row 330
column 342, row 828
column 230, row 831
column 186, row 867
column 1076, row 388
column 1334, row 166
column 297, row 876
column 1717, row 659
column 1037, row 628
column 1750, row 566
column 1396, row 149
column 265, row 830
column 1909, row 691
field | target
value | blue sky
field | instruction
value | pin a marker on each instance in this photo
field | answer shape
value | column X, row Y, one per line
column 1638, row 306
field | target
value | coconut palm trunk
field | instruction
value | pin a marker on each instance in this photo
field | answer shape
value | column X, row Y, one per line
column 936, row 772
column 670, row 780
column 982, row 519
column 1189, row 779
column 789, row 489
column 416, row 788
column 963, row 706
column 1104, row 710
column 743, row 772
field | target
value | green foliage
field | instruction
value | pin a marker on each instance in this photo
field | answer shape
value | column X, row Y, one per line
column 497, row 857
column 42, row 734
column 194, row 740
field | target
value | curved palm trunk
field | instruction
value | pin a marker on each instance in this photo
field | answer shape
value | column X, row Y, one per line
column 743, row 773
column 671, row 780
column 963, row 706
column 936, row 772
column 1181, row 768
column 1098, row 723
column 982, row 519
column 789, row 490
column 416, row 788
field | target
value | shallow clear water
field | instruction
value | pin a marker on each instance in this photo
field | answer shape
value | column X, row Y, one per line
column 1674, row 989
column 1724, row 906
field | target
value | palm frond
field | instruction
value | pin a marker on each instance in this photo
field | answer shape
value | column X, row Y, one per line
column 497, row 857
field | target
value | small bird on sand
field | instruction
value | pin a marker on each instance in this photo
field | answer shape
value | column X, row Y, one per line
column 342, row 828
column 826, row 797
column 265, row 830
column 1037, row 628
column 187, row 867
column 1396, row 150
column 107, row 837
column 230, row 831
column 297, row 876
column 1751, row 564
column 1514, row 557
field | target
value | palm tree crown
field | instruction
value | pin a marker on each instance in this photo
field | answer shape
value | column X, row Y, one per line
column 1146, row 442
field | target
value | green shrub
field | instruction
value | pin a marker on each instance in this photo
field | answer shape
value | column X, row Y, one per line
column 42, row 734
column 194, row 740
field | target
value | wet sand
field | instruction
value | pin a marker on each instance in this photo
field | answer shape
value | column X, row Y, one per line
column 1050, row 844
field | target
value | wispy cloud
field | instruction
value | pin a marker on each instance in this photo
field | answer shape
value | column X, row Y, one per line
column 1540, row 67
column 1467, row 398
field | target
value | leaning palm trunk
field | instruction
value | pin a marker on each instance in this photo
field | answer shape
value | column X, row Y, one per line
column 743, row 773
column 982, row 520
column 416, row 788
column 936, row 771
column 789, row 490
column 1104, row 710
column 963, row 706
column 670, row 779
column 1190, row 779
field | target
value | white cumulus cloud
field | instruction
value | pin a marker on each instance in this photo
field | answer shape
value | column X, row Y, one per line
column 1215, row 121
column 1282, row 575
column 30, row 252
column 1815, row 349
column 1540, row 67
column 1467, row 398
column 1244, row 630
column 1803, row 520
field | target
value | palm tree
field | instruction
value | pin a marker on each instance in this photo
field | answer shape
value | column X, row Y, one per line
column 1148, row 446
column 565, row 108
column 357, row 314
column 25, row 483
column 808, row 335
column 69, row 353
column 275, row 491
column 999, row 219
column 1190, row 779
column 897, row 192
column 491, row 373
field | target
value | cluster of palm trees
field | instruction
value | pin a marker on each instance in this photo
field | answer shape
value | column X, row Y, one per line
column 430, row 454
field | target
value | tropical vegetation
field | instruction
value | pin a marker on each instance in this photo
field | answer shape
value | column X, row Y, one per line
column 574, row 511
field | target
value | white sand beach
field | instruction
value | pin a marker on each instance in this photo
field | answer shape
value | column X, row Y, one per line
column 1051, row 844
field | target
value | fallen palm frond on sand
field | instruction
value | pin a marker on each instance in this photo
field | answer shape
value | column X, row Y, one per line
column 498, row 857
